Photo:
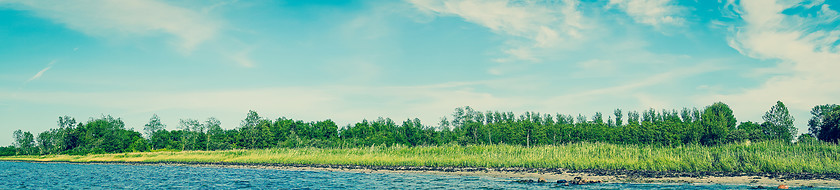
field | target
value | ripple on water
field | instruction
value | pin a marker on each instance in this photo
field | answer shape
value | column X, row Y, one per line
column 21, row 175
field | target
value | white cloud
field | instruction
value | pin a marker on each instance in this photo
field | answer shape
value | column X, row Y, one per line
column 41, row 73
column 243, row 58
column 657, row 13
column 540, row 25
column 117, row 18
column 630, row 87
column 806, row 52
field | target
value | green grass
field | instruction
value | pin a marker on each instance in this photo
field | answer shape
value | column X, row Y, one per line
column 755, row 157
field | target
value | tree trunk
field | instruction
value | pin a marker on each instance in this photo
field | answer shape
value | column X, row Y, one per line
column 490, row 137
column 528, row 139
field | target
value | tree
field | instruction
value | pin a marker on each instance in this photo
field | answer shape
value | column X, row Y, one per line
column 685, row 115
column 633, row 118
column 45, row 142
column 189, row 127
column 755, row 131
column 251, row 120
column 806, row 139
column 825, row 122
column 444, row 124
column 249, row 126
column 17, row 137
column 618, row 116
column 153, row 126
column 598, row 118
column 66, row 122
column 717, row 120
column 781, row 121
column 581, row 119
column 24, row 141
column 213, row 127
column 62, row 139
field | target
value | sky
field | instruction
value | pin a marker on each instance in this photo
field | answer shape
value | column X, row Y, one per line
column 354, row 60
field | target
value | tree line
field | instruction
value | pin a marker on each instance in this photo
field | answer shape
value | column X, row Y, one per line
column 713, row 125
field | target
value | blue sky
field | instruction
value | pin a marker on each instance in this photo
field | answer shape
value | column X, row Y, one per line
column 351, row 60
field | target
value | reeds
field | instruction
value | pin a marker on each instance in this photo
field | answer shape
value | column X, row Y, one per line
column 755, row 157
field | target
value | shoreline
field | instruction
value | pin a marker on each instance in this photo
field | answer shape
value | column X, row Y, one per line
column 551, row 175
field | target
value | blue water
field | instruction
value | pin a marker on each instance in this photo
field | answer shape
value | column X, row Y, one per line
column 21, row 175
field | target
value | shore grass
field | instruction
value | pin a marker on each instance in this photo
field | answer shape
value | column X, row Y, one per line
column 745, row 157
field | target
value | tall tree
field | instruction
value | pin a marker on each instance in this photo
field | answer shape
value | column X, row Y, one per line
column 825, row 122
column 618, row 117
column 45, row 142
column 214, row 127
column 581, row 119
column 780, row 119
column 152, row 127
column 598, row 118
column 633, row 118
column 717, row 120
column 444, row 124
column 188, row 128
column 24, row 141
column 249, row 126
column 251, row 120
column 17, row 138
column 66, row 122
column 65, row 126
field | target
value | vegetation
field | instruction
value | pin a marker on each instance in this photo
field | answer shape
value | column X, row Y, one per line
column 685, row 140
column 744, row 157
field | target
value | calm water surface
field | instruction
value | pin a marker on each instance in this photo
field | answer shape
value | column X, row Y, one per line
column 21, row 175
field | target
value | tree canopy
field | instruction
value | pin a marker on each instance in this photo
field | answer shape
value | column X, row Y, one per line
column 713, row 125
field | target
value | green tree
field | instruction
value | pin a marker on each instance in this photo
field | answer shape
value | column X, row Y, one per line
column 24, row 141
column 825, row 122
column 153, row 127
column 444, row 124
column 633, row 118
column 581, row 119
column 66, row 122
column 249, row 127
column 755, row 131
column 63, row 139
column 806, row 139
column 618, row 117
column 214, row 128
column 598, row 118
column 685, row 115
column 781, row 121
column 139, row 145
column 45, row 142
column 717, row 120
column 189, row 128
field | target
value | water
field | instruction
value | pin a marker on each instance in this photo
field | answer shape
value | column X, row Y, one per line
column 21, row 175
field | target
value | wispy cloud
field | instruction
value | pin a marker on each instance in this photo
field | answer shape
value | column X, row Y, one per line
column 657, row 13
column 632, row 86
column 808, row 53
column 41, row 73
column 115, row 18
column 541, row 25
column 243, row 58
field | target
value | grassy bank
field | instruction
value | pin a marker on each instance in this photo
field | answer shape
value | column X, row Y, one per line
column 755, row 157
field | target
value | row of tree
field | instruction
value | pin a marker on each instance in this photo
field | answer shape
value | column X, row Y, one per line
column 713, row 125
